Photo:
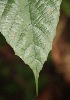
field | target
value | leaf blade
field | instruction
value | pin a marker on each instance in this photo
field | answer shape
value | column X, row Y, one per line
column 29, row 23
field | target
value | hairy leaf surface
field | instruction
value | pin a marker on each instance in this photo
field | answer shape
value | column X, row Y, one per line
column 29, row 27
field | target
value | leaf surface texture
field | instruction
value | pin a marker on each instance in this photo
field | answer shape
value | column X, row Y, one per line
column 29, row 26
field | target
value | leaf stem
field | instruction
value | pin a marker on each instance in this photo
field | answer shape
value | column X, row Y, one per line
column 36, row 81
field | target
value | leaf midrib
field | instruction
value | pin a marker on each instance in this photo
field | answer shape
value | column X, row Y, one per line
column 33, row 37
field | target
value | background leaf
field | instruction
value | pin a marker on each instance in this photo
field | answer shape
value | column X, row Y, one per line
column 66, row 7
column 29, row 27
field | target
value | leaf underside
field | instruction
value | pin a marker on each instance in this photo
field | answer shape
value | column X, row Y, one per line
column 29, row 26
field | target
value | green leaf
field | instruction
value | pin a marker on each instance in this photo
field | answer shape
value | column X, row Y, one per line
column 29, row 26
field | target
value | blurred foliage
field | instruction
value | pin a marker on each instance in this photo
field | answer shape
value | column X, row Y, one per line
column 16, row 78
column 66, row 7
